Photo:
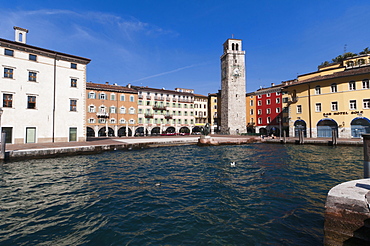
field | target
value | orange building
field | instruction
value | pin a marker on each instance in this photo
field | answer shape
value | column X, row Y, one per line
column 111, row 110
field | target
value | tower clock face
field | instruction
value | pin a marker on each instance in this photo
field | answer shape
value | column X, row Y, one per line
column 236, row 72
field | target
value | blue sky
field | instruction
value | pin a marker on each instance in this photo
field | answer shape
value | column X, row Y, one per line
column 168, row 44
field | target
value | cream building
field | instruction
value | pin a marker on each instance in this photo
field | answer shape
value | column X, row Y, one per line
column 162, row 111
column 43, row 93
column 336, row 98
column 200, row 110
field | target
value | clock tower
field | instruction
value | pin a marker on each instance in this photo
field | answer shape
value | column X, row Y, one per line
column 233, row 103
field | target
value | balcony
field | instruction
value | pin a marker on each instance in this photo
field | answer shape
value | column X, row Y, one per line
column 168, row 116
column 168, row 99
column 140, row 96
column 159, row 107
column 148, row 98
column 102, row 115
column 148, row 116
column 159, row 98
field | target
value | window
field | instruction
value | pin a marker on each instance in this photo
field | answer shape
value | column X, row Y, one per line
column 112, row 110
column 259, row 96
column 91, row 120
column 317, row 90
column 132, row 98
column 32, row 76
column 268, row 120
column 112, row 97
column 103, row 96
column 334, row 106
column 7, row 100
column 251, row 111
column 122, row 98
column 9, row 52
column 102, row 109
column 365, row 84
column 214, row 106
column 268, row 101
column 122, row 110
column 268, row 95
column 268, row 111
column 259, row 120
column 140, row 102
column 259, row 102
column 366, row 103
column 101, row 120
column 278, row 110
column 32, row 57
column 113, row 121
column 8, row 73
column 259, row 112
column 31, row 102
column 123, row 121
column 73, row 105
column 91, row 109
column 91, row 95
column 132, row 110
column 318, row 107
column 74, row 65
column 285, row 100
column 352, row 104
column 277, row 100
column 299, row 109
column 277, row 93
column 251, row 102
column 73, row 82
column 131, row 121
column 286, row 110
column 334, row 88
column 352, row 85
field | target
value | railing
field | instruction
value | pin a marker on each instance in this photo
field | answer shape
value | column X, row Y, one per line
column 159, row 98
column 148, row 116
column 140, row 96
column 159, row 107
column 168, row 116
column 102, row 115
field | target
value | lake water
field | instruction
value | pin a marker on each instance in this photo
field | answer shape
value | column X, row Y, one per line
column 185, row 195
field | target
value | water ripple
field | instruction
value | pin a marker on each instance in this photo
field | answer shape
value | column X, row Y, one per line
column 174, row 196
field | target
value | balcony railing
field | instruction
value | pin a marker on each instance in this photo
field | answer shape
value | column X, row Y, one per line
column 168, row 116
column 102, row 115
column 159, row 98
column 140, row 96
column 159, row 107
column 148, row 115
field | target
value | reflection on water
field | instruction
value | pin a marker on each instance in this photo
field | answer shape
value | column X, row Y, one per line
column 184, row 195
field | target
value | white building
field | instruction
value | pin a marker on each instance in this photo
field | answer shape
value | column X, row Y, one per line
column 43, row 93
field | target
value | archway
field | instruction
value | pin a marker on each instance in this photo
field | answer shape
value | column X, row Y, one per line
column 262, row 131
column 184, row 130
column 274, row 131
column 171, row 129
column 140, row 131
column 196, row 130
column 122, row 132
column 102, row 133
column 300, row 125
column 359, row 126
column 156, row 131
column 325, row 128
column 90, row 132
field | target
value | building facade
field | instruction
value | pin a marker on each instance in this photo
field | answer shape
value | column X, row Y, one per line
column 200, row 110
column 250, row 112
column 214, row 111
column 269, row 110
column 334, row 99
column 43, row 93
column 165, row 112
column 111, row 110
column 233, row 118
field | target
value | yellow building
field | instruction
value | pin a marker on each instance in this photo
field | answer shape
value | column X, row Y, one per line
column 214, row 111
column 336, row 98
column 250, row 112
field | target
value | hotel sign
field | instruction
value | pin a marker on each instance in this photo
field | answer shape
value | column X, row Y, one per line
column 342, row 113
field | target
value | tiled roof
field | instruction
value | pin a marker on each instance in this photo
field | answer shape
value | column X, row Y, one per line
column 107, row 87
column 145, row 88
column 42, row 51
column 345, row 73
column 199, row 95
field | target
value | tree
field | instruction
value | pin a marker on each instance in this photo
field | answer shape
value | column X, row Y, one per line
column 365, row 51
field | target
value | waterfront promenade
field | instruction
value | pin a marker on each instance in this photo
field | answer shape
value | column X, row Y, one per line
column 97, row 145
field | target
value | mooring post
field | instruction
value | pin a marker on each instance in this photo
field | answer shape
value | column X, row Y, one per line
column 284, row 136
column 301, row 133
column 2, row 146
column 366, row 138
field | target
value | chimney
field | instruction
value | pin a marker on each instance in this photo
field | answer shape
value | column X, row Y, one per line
column 107, row 83
column 272, row 84
column 129, row 85
column 20, row 34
